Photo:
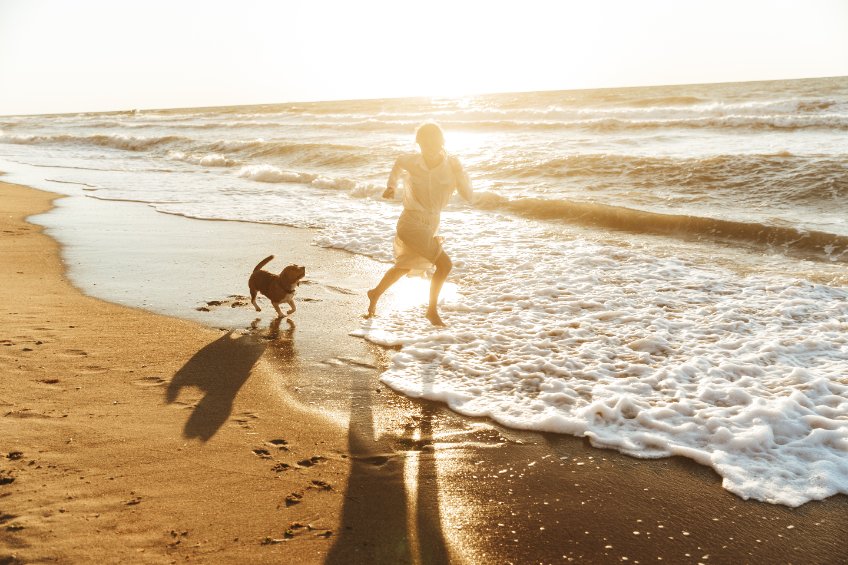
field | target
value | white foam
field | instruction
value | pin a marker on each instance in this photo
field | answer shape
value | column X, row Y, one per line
column 270, row 173
column 204, row 160
column 651, row 357
column 355, row 188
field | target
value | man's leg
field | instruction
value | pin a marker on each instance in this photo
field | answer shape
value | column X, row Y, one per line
column 392, row 276
column 443, row 268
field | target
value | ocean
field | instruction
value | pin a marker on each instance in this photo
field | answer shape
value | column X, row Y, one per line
column 663, row 270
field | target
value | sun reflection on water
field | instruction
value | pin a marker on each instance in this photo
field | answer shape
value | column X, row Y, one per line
column 411, row 292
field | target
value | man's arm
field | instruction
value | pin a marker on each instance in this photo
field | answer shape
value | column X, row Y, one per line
column 463, row 183
column 394, row 176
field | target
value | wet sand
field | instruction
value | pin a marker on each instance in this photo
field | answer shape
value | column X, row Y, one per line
column 141, row 437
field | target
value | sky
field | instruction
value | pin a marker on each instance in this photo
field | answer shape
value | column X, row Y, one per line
column 96, row 55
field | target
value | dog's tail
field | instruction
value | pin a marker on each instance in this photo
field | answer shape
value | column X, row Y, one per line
column 263, row 262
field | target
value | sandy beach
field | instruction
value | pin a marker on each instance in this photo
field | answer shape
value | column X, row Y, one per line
column 175, row 434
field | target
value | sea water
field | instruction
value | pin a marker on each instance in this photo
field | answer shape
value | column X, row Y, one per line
column 661, row 270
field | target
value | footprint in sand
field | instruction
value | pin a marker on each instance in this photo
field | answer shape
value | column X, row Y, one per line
column 244, row 419
column 376, row 460
column 233, row 301
column 278, row 442
column 311, row 461
column 150, row 381
column 298, row 528
column 294, row 498
column 92, row 370
column 183, row 405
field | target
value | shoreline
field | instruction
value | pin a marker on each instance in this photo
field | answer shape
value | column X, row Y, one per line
column 410, row 481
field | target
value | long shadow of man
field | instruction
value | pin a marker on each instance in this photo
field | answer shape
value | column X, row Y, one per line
column 376, row 526
column 219, row 370
column 374, row 515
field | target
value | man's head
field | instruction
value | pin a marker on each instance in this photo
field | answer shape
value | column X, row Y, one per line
column 430, row 138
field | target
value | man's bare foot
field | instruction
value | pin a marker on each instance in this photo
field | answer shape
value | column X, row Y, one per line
column 434, row 318
column 373, row 297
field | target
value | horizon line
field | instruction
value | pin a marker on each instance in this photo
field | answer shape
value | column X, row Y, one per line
column 412, row 97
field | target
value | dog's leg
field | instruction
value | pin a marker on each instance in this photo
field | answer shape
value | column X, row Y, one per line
column 293, row 307
column 253, row 293
column 277, row 308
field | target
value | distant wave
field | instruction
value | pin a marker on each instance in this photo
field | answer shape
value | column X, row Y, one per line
column 587, row 121
column 184, row 124
column 808, row 243
column 607, row 124
column 322, row 154
column 769, row 122
column 116, row 141
column 665, row 101
column 313, row 154
column 272, row 174
column 558, row 110
column 615, row 110
column 815, row 244
column 188, row 148
column 687, row 107
column 777, row 177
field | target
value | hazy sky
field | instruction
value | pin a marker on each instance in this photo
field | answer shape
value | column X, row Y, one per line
column 88, row 55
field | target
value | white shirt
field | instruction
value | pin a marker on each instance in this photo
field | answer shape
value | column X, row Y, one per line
column 429, row 190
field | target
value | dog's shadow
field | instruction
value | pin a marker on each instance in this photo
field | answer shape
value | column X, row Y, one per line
column 219, row 370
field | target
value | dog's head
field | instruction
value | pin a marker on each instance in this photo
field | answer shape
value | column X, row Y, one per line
column 292, row 274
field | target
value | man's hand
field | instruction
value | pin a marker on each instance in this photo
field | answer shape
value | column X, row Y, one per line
column 389, row 193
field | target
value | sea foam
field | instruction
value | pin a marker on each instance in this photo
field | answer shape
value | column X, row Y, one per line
column 652, row 357
column 270, row 173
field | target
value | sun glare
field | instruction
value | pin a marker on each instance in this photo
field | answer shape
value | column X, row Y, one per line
column 332, row 50
column 412, row 292
column 459, row 142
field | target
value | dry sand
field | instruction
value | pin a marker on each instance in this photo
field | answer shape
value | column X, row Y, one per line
column 128, row 436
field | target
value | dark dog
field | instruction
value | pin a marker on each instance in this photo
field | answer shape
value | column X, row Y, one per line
column 278, row 288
